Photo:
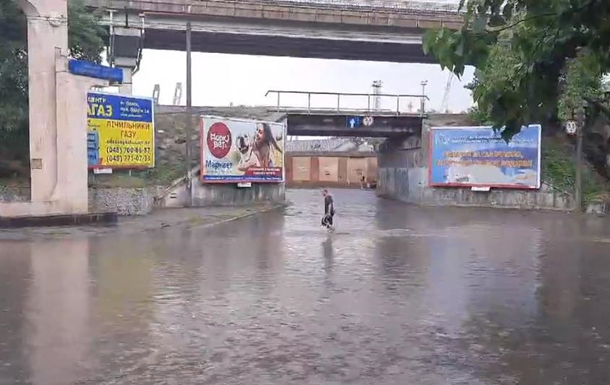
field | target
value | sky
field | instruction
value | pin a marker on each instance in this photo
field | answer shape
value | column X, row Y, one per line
column 220, row 79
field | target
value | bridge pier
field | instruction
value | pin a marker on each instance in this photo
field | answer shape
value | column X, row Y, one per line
column 126, row 53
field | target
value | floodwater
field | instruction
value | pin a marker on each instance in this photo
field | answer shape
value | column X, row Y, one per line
column 397, row 295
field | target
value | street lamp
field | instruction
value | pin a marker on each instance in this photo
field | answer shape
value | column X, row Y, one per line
column 423, row 98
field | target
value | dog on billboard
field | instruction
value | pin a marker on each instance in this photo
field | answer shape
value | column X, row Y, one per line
column 244, row 147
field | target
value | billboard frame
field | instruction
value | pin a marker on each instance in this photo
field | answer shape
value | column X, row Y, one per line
column 154, row 136
column 203, row 146
column 481, row 185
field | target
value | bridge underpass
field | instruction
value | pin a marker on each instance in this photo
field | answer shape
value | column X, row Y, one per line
column 360, row 115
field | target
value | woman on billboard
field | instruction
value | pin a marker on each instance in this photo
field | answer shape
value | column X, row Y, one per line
column 263, row 145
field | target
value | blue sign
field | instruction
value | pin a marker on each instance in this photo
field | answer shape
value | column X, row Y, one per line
column 93, row 70
column 119, row 107
column 479, row 157
column 353, row 121
column 93, row 145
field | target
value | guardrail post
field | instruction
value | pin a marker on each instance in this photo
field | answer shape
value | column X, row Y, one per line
column 278, row 101
column 309, row 102
column 338, row 102
column 368, row 102
column 397, row 104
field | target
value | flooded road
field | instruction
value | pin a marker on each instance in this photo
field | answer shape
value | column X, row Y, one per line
column 397, row 295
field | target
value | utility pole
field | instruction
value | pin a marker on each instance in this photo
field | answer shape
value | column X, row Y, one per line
column 189, row 118
column 423, row 98
column 580, row 122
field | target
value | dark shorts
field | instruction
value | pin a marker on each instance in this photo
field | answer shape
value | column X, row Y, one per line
column 327, row 220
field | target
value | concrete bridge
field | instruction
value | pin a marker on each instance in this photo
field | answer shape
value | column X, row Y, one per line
column 387, row 31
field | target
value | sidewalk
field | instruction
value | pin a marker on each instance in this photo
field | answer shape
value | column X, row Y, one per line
column 160, row 219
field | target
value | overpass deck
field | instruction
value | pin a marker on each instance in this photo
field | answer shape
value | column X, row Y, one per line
column 334, row 29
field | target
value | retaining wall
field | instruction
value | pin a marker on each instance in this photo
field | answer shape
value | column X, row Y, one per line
column 403, row 175
column 222, row 194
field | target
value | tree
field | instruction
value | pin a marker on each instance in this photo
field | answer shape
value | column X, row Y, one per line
column 86, row 39
column 535, row 60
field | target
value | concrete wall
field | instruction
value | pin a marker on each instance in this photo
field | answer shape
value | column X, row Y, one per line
column 220, row 194
column 14, row 193
column 330, row 169
column 403, row 175
column 123, row 201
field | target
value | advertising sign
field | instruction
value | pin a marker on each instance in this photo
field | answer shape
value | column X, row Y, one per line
column 241, row 151
column 121, row 131
column 479, row 157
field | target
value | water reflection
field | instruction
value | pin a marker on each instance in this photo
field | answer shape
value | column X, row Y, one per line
column 397, row 295
column 58, row 333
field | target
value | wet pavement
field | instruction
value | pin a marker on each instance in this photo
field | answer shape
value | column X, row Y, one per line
column 397, row 295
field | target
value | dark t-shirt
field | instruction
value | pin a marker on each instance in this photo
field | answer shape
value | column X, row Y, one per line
column 329, row 205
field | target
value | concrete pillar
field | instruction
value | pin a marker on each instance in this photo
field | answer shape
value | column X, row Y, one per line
column 126, row 88
column 127, row 43
column 44, row 37
column 58, row 117
column 72, row 185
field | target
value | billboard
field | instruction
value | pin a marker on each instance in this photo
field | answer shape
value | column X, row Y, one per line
column 479, row 157
column 241, row 151
column 120, row 131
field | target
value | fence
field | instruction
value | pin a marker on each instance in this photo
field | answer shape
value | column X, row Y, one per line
column 321, row 101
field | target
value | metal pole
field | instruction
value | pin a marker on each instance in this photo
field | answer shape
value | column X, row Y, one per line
column 368, row 103
column 309, row 102
column 278, row 101
column 397, row 104
column 423, row 98
column 338, row 102
column 189, row 117
column 580, row 116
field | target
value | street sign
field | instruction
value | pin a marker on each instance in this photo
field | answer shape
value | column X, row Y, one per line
column 93, row 70
column 571, row 127
column 353, row 121
column 368, row 121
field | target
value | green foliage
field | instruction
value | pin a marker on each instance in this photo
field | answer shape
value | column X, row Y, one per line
column 521, row 48
column 582, row 81
column 87, row 38
column 479, row 116
column 558, row 170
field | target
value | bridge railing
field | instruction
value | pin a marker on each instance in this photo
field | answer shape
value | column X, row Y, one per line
column 347, row 102
column 421, row 6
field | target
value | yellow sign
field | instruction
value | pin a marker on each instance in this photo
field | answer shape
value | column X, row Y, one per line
column 120, row 131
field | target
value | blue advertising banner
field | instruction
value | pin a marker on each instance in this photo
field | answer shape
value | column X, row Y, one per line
column 479, row 157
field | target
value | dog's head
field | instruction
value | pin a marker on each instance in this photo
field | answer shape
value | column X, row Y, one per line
column 243, row 143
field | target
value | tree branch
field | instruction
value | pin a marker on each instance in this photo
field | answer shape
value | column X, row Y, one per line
column 541, row 15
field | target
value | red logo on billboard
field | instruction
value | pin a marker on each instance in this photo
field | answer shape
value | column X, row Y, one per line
column 219, row 140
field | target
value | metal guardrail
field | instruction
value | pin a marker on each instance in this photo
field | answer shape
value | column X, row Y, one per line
column 369, row 98
column 375, row 4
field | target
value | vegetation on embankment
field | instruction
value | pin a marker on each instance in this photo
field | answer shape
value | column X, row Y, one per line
column 559, row 170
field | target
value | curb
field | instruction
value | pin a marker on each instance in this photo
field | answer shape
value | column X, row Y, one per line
column 244, row 216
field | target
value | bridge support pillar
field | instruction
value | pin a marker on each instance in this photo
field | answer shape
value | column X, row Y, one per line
column 126, row 53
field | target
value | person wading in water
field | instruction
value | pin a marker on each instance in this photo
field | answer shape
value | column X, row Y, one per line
column 329, row 210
